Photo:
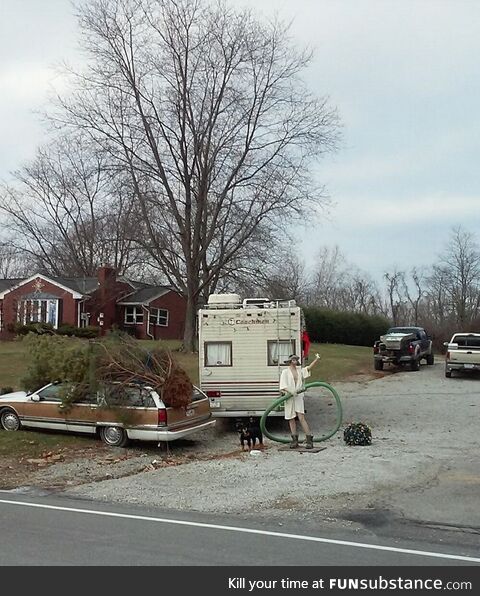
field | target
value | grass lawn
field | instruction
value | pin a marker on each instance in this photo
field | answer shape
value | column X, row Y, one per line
column 337, row 361
column 34, row 444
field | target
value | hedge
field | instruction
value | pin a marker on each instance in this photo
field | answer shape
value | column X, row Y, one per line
column 335, row 327
column 48, row 329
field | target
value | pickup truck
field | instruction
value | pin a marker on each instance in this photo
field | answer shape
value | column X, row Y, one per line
column 403, row 345
column 463, row 353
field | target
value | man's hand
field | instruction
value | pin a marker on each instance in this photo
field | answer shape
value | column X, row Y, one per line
column 317, row 356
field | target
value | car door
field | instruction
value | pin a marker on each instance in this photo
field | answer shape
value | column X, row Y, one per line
column 44, row 409
column 425, row 341
column 82, row 414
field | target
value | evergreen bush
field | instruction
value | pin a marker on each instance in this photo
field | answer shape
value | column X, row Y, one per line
column 336, row 327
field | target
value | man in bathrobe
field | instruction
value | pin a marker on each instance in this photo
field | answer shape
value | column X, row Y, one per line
column 292, row 381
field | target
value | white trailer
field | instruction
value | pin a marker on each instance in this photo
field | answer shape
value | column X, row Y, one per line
column 242, row 349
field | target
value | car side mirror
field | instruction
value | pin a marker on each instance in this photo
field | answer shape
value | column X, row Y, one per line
column 35, row 397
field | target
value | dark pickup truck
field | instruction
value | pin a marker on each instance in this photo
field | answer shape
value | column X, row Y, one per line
column 403, row 345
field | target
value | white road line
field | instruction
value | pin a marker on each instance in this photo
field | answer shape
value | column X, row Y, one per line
column 244, row 530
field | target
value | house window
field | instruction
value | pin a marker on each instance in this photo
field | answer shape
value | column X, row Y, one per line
column 279, row 351
column 38, row 311
column 133, row 315
column 159, row 316
column 218, row 353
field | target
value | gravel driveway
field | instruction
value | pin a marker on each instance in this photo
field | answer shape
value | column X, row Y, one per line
column 425, row 442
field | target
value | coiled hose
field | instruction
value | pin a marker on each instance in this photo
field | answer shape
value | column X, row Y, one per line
column 284, row 398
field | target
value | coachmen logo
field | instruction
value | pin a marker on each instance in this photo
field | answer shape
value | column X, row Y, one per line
column 233, row 322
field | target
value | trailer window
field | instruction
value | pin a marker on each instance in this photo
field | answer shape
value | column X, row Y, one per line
column 279, row 351
column 218, row 353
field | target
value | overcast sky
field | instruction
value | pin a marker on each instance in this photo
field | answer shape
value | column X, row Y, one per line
column 404, row 76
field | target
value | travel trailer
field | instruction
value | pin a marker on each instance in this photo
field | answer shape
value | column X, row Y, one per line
column 243, row 345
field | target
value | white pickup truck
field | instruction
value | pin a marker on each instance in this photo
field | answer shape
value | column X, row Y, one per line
column 463, row 353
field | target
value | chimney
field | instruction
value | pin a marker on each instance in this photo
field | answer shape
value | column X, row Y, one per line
column 106, row 275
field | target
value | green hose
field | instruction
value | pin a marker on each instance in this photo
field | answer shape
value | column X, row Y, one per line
column 284, row 398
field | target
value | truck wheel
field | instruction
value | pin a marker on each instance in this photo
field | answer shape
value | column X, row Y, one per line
column 430, row 359
column 448, row 374
column 378, row 364
column 415, row 365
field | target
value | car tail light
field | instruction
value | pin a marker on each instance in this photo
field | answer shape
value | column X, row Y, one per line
column 411, row 348
column 375, row 349
column 162, row 417
column 213, row 393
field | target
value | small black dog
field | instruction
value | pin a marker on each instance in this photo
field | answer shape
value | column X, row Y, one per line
column 249, row 433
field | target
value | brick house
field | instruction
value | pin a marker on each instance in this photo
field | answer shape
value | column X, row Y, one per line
column 144, row 310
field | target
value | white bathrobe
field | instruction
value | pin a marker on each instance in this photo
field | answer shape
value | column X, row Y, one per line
column 287, row 383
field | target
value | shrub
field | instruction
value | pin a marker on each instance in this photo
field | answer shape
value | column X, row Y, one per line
column 84, row 332
column 38, row 328
column 355, row 329
column 357, row 433
column 5, row 390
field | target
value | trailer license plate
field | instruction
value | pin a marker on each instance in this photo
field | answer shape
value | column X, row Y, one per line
column 214, row 404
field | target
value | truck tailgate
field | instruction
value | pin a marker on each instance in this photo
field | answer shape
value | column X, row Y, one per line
column 465, row 356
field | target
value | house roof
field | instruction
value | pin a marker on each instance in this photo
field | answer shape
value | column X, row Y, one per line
column 12, row 284
column 6, row 284
column 145, row 295
column 83, row 285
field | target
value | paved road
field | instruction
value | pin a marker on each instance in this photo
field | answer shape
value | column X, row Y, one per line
column 59, row 531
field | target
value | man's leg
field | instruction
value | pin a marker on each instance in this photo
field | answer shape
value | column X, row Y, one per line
column 293, row 430
column 303, row 423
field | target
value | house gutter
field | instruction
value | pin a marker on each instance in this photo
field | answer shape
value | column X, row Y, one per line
column 80, row 302
column 147, row 310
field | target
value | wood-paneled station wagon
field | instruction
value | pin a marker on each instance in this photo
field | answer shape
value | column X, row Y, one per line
column 116, row 414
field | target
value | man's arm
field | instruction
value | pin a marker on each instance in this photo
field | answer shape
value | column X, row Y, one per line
column 310, row 366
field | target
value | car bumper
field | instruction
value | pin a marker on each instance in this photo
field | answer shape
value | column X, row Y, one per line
column 167, row 434
column 395, row 359
column 461, row 366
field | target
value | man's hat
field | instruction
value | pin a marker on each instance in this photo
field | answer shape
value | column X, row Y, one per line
column 291, row 357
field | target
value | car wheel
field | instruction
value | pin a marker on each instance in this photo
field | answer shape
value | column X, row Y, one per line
column 448, row 374
column 430, row 359
column 415, row 365
column 378, row 364
column 114, row 436
column 9, row 420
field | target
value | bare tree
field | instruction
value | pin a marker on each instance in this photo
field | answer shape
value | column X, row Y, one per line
column 68, row 213
column 395, row 285
column 415, row 294
column 330, row 270
column 460, row 264
column 203, row 105
column 12, row 265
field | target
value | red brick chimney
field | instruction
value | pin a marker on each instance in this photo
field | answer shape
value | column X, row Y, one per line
column 106, row 275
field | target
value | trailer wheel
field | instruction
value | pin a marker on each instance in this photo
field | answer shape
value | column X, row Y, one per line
column 415, row 364
column 378, row 365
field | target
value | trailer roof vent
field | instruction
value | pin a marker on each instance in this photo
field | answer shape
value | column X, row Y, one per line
column 255, row 302
column 224, row 301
